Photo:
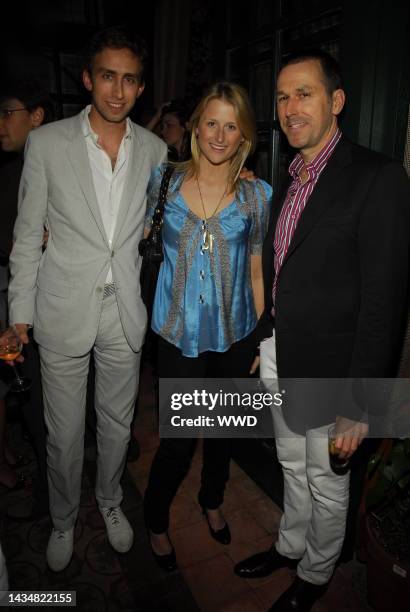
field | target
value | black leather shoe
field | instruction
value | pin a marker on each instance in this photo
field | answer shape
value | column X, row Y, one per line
column 223, row 536
column 299, row 597
column 263, row 564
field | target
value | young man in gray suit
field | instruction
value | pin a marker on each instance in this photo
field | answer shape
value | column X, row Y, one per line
column 87, row 178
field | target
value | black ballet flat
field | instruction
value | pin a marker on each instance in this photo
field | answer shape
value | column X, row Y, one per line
column 168, row 562
column 223, row 536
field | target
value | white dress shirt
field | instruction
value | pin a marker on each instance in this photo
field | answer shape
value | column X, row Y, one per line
column 108, row 182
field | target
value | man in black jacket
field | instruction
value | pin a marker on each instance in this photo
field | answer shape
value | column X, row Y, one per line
column 336, row 273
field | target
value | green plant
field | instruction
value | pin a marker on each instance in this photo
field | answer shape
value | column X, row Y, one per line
column 388, row 496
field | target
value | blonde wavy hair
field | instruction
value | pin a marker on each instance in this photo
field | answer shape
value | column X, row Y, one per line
column 235, row 95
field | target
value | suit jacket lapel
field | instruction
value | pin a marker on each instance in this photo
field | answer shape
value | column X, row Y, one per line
column 135, row 163
column 322, row 197
column 268, row 251
column 78, row 156
column 278, row 202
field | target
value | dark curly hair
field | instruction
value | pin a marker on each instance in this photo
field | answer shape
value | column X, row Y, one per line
column 116, row 37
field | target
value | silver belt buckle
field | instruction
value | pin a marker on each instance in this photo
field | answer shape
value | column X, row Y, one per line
column 109, row 289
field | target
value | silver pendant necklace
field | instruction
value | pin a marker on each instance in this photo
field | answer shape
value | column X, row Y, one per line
column 207, row 236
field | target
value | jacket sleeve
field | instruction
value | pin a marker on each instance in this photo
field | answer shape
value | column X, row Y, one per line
column 28, row 235
column 383, row 245
column 383, row 250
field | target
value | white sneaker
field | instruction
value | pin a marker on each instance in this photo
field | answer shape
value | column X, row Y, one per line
column 119, row 531
column 60, row 549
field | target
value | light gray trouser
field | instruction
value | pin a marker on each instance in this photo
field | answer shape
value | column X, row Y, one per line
column 64, row 386
column 316, row 499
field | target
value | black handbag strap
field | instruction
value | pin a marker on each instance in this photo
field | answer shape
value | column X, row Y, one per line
column 162, row 197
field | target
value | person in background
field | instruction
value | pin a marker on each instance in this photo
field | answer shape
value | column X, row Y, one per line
column 172, row 119
column 24, row 106
column 336, row 287
column 209, row 293
column 87, row 176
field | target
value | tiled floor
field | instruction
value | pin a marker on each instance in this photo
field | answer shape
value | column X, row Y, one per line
column 206, row 566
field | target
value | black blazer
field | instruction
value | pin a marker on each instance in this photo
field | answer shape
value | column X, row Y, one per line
column 342, row 290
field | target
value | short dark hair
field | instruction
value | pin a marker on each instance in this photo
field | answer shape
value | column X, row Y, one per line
column 31, row 94
column 330, row 66
column 116, row 37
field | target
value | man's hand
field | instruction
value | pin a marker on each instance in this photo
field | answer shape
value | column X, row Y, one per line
column 255, row 365
column 349, row 436
column 10, row 334
column 22, row 329
column 248, row 175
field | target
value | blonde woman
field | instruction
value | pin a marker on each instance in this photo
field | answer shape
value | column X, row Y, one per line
column 209, row 294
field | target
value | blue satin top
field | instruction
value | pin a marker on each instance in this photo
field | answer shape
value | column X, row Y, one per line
column 204, row 300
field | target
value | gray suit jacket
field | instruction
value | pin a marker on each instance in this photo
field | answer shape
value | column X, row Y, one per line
column 60, row 291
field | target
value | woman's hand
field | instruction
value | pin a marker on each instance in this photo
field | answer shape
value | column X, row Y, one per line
column 248, row 175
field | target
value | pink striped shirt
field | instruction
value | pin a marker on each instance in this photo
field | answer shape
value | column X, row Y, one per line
column 296, row 199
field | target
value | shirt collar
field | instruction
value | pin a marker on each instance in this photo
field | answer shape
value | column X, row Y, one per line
column 88, row 131
column 315, row 167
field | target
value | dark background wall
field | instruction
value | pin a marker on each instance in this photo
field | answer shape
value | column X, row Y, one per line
column 45, row 40
column 375, row 55
column 196, row 41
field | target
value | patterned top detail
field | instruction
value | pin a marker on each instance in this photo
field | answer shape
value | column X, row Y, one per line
column 204, row 300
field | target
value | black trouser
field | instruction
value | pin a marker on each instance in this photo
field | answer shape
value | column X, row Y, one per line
column 173, row 457
column 33, row 413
